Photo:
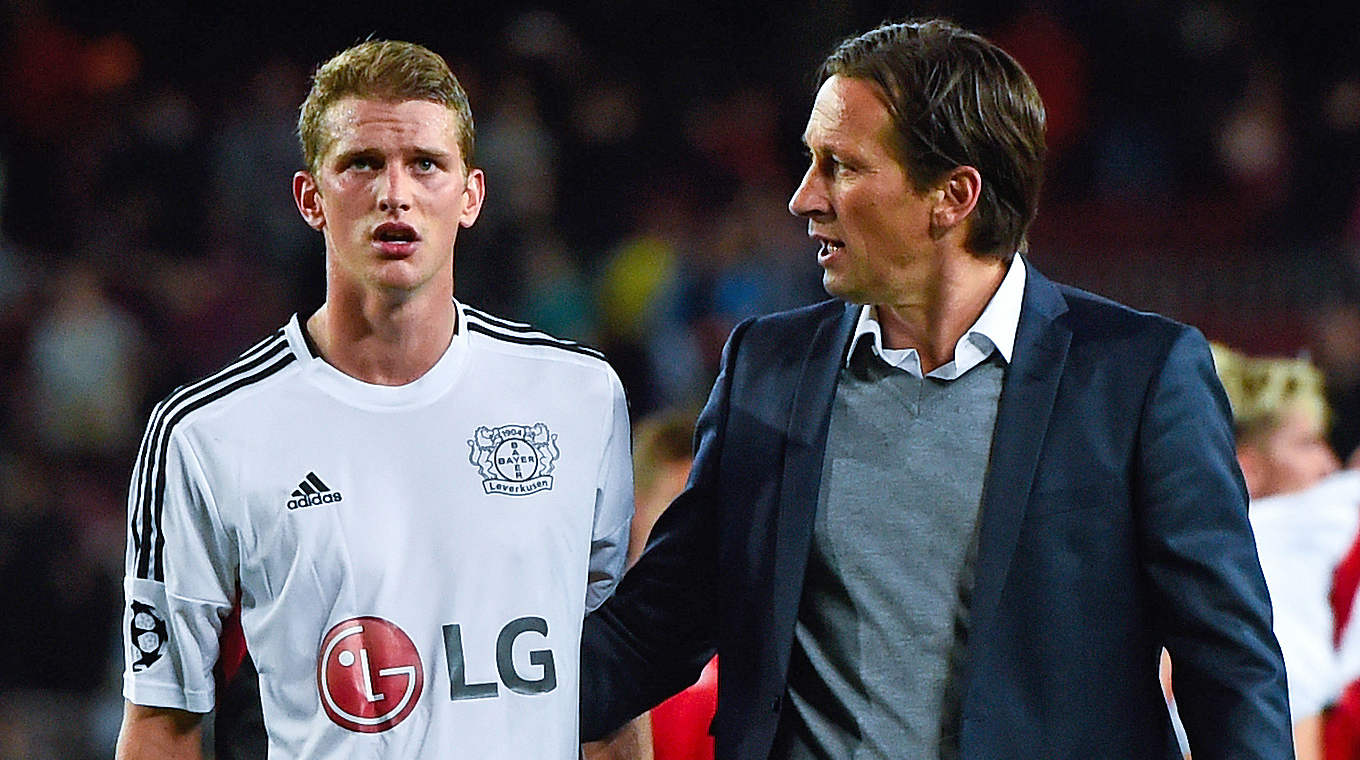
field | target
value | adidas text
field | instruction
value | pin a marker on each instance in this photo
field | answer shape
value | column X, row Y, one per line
column 314, row 499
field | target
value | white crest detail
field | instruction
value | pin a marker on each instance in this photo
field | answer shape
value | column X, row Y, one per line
column 514, row 460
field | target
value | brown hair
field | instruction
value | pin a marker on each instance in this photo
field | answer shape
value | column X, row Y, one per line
column 956, row 99
column 658, row 439
column 382, row 70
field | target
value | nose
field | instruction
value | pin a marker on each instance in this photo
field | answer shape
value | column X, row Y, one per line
column 810, row 198
column 393, row 190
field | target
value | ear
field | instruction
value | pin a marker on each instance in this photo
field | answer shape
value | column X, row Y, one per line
column 958, row 193
column 474, row 192
column 308, row 199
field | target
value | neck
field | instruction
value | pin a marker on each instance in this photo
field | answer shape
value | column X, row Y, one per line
column 381, row 341
column 933, row 319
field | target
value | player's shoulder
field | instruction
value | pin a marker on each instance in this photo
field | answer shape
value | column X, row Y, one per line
column 267, row 361
column 525, row 341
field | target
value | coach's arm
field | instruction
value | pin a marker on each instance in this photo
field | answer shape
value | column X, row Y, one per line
column 160, row 733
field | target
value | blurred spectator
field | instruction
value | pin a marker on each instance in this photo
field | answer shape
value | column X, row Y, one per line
column 642, row 306
column 86, row 369
column 662, row 455
column 557, row 296
column 1303, row 519
column 56, row 596
column 519, row 154
column 1336, row 349
column 254, row 152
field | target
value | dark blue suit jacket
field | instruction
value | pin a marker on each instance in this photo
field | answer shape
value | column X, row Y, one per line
column 1114, row 522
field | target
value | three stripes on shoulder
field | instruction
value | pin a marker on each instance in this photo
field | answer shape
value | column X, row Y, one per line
column 519, row 332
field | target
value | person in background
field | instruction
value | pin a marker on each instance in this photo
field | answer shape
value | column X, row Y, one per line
column 1304, row 513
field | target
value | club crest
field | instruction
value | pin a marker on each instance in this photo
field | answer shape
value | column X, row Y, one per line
column 514, row 460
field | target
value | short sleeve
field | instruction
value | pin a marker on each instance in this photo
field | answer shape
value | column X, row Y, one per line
column 613, row 502
column 179, row 577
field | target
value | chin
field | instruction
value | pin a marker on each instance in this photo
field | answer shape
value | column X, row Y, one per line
column 838, row 288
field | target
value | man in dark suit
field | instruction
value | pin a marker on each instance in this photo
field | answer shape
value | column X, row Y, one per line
column 958, row 511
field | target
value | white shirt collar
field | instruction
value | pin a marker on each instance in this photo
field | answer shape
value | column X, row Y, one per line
column 994, row 330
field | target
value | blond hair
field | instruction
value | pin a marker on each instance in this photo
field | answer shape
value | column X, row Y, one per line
column 381, row 70
column 1262, row 390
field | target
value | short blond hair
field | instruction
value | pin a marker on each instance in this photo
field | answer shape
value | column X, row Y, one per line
column 381, row 70
column 1262, row 390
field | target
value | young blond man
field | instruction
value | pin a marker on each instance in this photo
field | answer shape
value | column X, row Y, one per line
column 413, row 503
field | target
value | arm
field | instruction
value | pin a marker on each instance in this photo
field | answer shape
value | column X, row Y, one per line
column 613, row 503
column 159, row 733
column 632, row 742
column 654, row 636
column 1199, row 558
column 180, row 580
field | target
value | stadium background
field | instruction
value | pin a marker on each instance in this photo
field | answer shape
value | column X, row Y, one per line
column 1205, row 158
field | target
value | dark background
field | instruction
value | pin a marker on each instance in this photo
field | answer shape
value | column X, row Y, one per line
column 1204, row 163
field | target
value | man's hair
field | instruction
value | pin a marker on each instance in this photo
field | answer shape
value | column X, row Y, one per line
column 956, row 99
column 381, row 70
column 1263, row 390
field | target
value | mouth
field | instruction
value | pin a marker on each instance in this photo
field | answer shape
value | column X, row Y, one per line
column 829, row 246
column 395, row 238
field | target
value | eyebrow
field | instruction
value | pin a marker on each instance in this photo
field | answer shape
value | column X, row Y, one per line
column 435, row 153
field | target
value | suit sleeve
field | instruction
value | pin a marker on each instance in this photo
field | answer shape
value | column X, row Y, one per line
column 1201, row 562
column 653, row 637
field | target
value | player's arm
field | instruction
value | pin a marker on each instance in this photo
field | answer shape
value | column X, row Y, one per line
column 632, row 742
column 160, row 733
column 171, row 635
column 613, row 503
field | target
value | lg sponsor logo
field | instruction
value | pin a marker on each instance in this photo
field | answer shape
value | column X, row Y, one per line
column 370, row 677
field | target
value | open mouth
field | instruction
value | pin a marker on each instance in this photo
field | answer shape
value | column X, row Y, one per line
column 393, row 232
column 829, row 247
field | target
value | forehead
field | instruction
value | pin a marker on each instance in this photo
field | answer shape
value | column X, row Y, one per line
column 848, row 112
column 357, row 123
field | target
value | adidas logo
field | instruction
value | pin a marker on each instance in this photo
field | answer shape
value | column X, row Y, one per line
column 311, row 492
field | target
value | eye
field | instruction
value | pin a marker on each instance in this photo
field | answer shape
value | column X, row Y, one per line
column 362, row 163
column 426, row 165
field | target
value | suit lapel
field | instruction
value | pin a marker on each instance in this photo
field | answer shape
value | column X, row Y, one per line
column 804, row 447
column 1022, row 418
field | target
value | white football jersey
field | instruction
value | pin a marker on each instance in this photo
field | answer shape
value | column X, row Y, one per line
column 413, row 563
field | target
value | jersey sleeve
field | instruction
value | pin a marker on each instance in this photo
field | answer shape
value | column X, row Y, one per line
column 613, row 502
column 180, row 578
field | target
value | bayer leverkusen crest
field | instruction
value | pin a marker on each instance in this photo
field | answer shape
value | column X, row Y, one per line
column 515, row 460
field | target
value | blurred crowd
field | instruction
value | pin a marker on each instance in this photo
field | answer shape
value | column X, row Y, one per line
column 1204, row 162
